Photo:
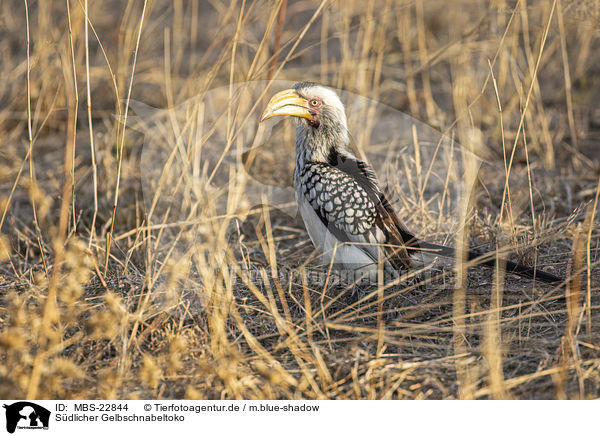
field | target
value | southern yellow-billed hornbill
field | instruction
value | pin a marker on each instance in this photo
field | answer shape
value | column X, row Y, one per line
column 345, row 212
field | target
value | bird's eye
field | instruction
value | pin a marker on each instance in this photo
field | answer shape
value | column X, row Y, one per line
column 314, row 102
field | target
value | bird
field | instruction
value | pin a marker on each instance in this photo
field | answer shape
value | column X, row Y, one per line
column 345, row 211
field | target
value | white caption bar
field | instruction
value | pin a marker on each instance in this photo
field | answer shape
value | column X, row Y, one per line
column 366, row 418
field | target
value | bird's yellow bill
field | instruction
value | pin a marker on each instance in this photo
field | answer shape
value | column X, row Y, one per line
column 287, row 102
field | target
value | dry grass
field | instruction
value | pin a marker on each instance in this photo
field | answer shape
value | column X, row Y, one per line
column 141, row 257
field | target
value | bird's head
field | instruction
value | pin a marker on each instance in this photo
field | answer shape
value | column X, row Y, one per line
column 319, row 109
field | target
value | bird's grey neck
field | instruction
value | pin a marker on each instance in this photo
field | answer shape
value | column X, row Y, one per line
column 316, row 144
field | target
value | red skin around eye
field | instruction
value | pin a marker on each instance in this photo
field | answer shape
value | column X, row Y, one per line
column 315, row 110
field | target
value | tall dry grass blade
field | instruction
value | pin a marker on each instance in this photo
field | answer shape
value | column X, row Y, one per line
column 88, row 87
column 591, row 226
column 526, row 105
column 50, row 312
column 74, row 72
column 278, row 32
column 567, row 75
column 121, row 142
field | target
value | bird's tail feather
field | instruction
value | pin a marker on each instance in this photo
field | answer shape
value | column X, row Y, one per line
column 488, row 259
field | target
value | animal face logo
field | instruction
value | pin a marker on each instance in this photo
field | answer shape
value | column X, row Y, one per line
column 24, row 414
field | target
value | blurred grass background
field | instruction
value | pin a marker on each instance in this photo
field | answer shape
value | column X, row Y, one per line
column 96, row 303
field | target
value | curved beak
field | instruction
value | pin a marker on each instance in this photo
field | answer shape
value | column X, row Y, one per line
column 287, row 102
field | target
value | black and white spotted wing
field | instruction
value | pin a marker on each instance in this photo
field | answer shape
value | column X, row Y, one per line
column 341, row 203
column 346, row 197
